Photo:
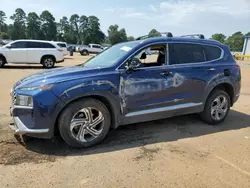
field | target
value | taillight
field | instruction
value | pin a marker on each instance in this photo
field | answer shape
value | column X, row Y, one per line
column 236, row 66
column 60, row 50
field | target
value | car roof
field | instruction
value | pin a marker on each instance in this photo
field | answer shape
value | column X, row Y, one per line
column 30, row 40
column 181, row 40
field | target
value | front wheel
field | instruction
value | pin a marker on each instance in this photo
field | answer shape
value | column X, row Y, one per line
column 216, row 108
column 48, row 62
column 84, row 123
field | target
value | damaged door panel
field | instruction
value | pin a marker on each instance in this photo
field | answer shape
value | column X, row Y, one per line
column 149, row 88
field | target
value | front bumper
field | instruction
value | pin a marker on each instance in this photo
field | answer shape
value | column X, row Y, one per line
column 19, row 127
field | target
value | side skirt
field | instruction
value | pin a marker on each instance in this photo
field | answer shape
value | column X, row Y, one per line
column 161, row 113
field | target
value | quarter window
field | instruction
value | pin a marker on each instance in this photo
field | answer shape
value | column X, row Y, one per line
column 182, row 53
column 212, row 52
column 47, row 45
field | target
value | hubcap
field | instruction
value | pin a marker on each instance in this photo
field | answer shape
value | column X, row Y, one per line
column 219, row 107
column 87, row 124
column 48, row 62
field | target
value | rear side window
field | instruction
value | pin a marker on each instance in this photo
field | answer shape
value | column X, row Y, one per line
column 212, row 52
column 20, row 44
column 34, row 45
column 47, row 45
column 96, row 46
column 62, row 45
column 183, row 53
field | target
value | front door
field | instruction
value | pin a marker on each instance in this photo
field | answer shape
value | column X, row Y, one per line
column 150, row 88
column 17, row 53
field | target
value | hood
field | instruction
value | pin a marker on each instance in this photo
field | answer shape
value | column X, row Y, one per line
column 56, row 75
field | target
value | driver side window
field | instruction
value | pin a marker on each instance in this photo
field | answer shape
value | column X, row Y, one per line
column 155, row 55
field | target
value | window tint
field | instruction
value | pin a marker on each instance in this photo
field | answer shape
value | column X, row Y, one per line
column 96, row 46
column 212, row 52
column 20, row 44
column 47, row 45
column 34, row 45
column 181, row 53
column 62, row 45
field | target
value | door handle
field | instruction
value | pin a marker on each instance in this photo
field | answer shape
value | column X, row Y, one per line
column 211, row 69
column 166, row 73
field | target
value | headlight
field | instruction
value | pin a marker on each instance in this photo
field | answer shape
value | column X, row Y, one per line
column 42, row 87
column 23, row 100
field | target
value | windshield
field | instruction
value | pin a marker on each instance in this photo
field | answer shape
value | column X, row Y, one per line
column 111, row 55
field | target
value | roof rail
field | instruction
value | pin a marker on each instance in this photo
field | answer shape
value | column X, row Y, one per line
column 201, row 36
column 168, row 34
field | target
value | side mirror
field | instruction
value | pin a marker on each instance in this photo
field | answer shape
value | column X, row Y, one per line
column 8, row 46
column 132, row 64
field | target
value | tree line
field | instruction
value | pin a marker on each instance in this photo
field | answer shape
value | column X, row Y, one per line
column 80, row 29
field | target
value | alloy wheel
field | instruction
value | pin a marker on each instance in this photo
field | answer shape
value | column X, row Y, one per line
column 48, row 62
column 219, row 108
column 87, row 124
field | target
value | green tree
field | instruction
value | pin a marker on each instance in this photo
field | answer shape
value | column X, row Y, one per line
column 219, row 37
column 74, row 23
column 19, row 26
column 48, row 26
column 115, row 35
column 2, row 20
column 63, row 29
column 93, row 32
column 247, row 34
column 130, row 38
column 83, row 27
column 154, row 33
column 3, row 26
column 235, row 41
column 33, row 26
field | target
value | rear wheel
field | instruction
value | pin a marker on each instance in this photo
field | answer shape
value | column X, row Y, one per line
column 84, row 52
column 48, row 62
column 84, row 123
column 2, row 61
column 216, row 108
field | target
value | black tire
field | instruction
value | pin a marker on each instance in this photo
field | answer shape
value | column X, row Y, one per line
column 206, row 114
column 84, row 52
column 67, row 115
column 2, row 61
column 48, row 62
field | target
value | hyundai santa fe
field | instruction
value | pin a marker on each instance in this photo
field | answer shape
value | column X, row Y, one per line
column 138, row 81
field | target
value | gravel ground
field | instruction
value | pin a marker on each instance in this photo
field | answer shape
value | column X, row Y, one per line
column 175, row 152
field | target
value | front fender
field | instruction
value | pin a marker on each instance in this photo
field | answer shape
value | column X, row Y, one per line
column 96, row 88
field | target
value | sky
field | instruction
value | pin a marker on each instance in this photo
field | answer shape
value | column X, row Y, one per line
column 138, row 17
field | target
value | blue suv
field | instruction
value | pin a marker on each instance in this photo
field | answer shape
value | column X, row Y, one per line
column 138, row 81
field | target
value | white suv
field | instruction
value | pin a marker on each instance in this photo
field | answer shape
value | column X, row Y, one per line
column 31, row 51
column 62, row 45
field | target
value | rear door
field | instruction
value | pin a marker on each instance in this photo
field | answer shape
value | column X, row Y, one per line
column 189, row 61
column 17, row 53
column 34, row 51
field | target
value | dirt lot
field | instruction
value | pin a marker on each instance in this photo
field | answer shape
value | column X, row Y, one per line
column 175, row 152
